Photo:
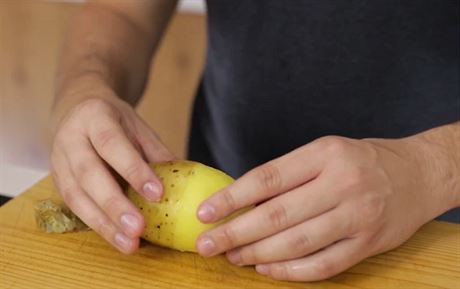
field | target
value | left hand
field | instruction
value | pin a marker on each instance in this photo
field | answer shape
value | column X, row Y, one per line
column 323, row 207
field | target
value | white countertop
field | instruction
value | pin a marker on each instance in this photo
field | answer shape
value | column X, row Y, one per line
column 191, row 6
column 16, row 179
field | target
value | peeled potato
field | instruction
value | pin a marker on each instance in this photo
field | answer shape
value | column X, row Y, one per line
column 172, row 222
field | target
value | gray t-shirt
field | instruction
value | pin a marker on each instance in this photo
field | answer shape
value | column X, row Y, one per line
column 280, row 74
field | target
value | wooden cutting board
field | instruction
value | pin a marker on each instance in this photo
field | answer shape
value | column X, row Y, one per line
column 32, row 259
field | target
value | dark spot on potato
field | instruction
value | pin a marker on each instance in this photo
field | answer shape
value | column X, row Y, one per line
column 172, row 185
column 141, row 208
column 166, row 215
column 166, row 200
column 158, row 226
column 175, row 171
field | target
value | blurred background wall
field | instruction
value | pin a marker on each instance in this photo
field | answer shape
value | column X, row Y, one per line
column 31, row 35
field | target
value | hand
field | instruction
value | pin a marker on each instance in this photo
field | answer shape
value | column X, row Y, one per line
column 99, row 136
column 325, row 207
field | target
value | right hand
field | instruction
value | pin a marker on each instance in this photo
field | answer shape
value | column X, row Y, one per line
column 93, row 139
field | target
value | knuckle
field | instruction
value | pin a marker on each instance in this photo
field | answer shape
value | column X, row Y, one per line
column 111, row 204
column 230, row 236
column 229, row 201
column 248, row 256
column 277, row 216
column 301, row 243
column 280, row 272
column 83, row 171
column 105, row 138
column 269, row 177
column 132, row 172
column 335, row 145
column 92, row 106
column 104, row 228
column 323, row 269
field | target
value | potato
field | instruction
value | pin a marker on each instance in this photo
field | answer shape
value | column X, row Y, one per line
column 172, row 222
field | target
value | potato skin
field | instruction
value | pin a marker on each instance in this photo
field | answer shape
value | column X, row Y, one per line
column 172, row 222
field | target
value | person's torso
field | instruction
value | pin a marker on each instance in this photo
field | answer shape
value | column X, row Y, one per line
column 281, row 73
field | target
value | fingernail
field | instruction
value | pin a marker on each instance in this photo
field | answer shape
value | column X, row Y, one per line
column 122, row 241
column 206, row 246
column 206, row 213
column 262, row 269
column 130, row 223
column 152, row 191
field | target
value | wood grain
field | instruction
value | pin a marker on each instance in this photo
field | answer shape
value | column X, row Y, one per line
column 32, row 259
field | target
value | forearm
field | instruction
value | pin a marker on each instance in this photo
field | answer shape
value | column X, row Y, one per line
column 108, row 48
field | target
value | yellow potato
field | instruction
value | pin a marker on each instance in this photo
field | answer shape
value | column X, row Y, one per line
column 172, row 222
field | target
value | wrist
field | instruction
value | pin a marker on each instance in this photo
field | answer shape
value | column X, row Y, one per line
column 439, row 168
column 430, row 172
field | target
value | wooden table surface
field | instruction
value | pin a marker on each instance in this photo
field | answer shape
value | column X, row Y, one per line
column 32, row 259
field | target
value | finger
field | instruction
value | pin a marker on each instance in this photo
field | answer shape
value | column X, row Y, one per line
column 111, row 143
column 319, row 266
column 295, row 242
column 273, row 216
column 152, row 146
column 261, row 183
column 87, row 210
column 100, row 185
